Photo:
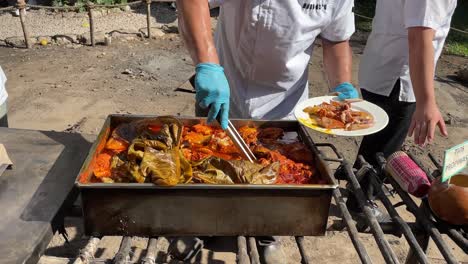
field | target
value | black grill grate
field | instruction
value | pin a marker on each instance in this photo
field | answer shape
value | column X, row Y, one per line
column 416, row 233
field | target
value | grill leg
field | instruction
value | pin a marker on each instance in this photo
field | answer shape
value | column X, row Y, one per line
column 423, row 241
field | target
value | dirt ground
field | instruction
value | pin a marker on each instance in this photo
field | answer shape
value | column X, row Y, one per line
column 74, row 88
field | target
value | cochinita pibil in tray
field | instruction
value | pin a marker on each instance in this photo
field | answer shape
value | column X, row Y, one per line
column 164, row 152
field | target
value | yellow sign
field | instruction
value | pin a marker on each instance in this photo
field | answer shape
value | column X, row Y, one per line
column 455, row 160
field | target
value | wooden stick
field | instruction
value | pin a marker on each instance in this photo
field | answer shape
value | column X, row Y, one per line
column 148, row 17
column 21, row 7
column 89, row 6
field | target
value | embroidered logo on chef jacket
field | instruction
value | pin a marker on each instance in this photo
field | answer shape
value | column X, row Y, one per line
column 316, row 9
column 314, row 5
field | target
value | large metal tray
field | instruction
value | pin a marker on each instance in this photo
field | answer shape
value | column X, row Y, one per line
column 144, row 209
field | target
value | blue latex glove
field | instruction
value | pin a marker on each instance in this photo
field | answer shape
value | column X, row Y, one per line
column 212, row 90
column 346, row 91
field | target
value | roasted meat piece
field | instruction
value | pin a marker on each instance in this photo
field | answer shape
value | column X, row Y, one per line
column 298, row 152
column 249, row 134
column 338, row 115
column 270, row 133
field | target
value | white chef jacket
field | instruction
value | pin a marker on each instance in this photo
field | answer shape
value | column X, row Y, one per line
column 3, row 92
column 385, row 58
column 265, row 47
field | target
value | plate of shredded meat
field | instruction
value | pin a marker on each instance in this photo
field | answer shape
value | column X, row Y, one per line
column 328, row 115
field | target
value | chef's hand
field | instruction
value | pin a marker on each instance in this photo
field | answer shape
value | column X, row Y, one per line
column 212, row 90
column 426, row 117
column 346, row 91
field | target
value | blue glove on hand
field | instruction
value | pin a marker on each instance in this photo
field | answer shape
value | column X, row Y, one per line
column 346, row 91
column 212, row 90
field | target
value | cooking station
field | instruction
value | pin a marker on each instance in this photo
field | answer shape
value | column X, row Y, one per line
column 43, row 185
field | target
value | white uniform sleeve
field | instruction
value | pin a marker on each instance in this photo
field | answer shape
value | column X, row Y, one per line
column 3, row 93
column 341, row 26
column 428, row 13
column 3, row 79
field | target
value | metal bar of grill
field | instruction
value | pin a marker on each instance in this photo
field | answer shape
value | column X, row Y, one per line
column 421, row 217
column 254, row 256
column 87, row 253
column 302, row 251
column 405, row 229
column 372, row 222
column 352, row 230
column 122, row 256
column 242, row 255
column 151, row 252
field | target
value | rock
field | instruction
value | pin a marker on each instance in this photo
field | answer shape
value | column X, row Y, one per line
column 99, row 13
column 19, row 41
column 114, row 10
column 462, row 74
column 127, row 71
column 65, row 39
column 107, row 40
column 126, row 8
column 99, row 38
column 156, row 32
column 170, row 29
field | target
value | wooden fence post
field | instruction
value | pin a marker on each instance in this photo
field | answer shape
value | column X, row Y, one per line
column 89, row 6
column 21, row 4
column 148, row 17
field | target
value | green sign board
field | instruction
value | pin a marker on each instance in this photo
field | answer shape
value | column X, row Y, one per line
column 455, row 160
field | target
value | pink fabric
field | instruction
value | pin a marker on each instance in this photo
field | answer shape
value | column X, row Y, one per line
column 408, row 174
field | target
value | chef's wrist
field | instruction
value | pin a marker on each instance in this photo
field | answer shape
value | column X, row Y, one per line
column 427, row 103
column 342, row 85
column 207, row 54
column 209, row 66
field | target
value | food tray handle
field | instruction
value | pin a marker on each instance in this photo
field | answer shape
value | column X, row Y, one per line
column 339, row 158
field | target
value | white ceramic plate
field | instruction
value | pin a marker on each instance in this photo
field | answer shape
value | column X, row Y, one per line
column 380, row 117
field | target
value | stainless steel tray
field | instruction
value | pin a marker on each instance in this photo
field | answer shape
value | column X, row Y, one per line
column 144, row 209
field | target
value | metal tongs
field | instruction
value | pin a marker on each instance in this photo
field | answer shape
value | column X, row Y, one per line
column 239, row 142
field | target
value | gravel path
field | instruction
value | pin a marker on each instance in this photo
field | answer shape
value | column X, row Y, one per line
column 47, row 23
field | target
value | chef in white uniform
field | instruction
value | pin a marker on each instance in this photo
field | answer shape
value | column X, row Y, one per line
column 257, row 65
column 263, row 49
column 397, row 69
column 397, row 72
column 3, row 100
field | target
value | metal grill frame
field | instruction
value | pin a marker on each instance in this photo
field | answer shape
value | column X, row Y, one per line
column 416, row 233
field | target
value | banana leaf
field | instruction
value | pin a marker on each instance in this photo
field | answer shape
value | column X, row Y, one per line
column 164, row 167
column 219, row 171
column 266, row 175
column 186, row 169
column 170, row 133
column 212, row 176
column 124, row 170
column 125, row 131
column 136, row 150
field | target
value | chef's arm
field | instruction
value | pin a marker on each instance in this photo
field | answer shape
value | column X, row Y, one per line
column 195, row 27
column 421, row 61
column 337, row 59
